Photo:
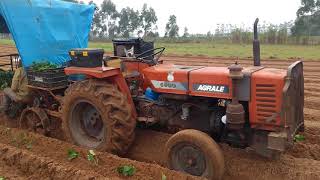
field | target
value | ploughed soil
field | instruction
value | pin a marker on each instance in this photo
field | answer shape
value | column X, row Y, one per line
column 31, row 156
column 26, row 155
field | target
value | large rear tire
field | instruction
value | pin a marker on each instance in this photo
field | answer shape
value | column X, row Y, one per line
column 97, row 115
column 195, row 153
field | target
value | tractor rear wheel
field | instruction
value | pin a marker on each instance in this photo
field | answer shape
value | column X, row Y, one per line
column 97, row 115
column 195, row 153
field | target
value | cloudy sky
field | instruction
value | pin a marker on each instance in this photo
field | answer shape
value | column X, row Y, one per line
column 201, row 16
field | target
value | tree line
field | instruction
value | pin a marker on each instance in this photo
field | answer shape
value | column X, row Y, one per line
column 109, row 23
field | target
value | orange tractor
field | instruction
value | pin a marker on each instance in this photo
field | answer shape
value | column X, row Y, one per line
column 255, row 106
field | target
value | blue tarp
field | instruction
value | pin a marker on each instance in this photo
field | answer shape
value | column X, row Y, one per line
column 45, row 30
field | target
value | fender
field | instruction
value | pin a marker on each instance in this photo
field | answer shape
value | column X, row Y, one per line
column 109, row 74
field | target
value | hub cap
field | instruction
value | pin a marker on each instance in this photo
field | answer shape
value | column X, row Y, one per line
column 190, row 159
column 92, row 122
column 86, row 124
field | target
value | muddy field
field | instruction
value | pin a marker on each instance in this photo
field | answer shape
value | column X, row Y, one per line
column 47, row 156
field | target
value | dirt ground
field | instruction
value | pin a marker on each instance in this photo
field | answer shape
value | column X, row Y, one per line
column 47, row 159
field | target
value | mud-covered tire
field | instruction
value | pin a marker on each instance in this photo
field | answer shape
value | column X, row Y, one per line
column 118, row 124
column 195, row 153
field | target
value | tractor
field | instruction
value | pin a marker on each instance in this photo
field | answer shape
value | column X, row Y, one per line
column 105, row 98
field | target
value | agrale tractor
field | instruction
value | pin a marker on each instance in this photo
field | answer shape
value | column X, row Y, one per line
column 256, row 107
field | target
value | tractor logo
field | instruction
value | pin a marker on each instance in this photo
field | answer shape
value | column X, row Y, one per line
column 211, row 88
column 170, row 76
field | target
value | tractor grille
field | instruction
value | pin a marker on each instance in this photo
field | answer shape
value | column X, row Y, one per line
column 266, row 101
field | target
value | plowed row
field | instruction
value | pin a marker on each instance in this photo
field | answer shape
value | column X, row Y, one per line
column 302, row 162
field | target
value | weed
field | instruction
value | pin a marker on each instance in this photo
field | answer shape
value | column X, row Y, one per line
column 29, row 146
column 299, row 138
column 92, row 157
column 126, row 170
column 72, row 154
column 22, row 140
column 163, row 177
column 7, row 131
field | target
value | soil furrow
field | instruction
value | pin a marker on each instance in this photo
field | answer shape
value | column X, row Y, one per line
column 35, row 153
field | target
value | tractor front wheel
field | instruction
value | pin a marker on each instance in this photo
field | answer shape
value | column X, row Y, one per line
column 97, row 115
column 195, row 153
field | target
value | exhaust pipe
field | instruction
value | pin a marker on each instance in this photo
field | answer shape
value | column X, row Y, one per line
column 256, row 45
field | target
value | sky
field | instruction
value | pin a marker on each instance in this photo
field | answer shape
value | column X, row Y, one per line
column 201, row 16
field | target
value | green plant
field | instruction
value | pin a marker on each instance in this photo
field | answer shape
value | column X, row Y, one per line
column 92, row 157
column 7, row 131
column 22, row 139
column 126, row 170
column 42, row 66
column 4, row 85
column 72, row 154
column 2, row 178
column 29, row 145
column 5, row 79
column 163, row 177
column 299, row 138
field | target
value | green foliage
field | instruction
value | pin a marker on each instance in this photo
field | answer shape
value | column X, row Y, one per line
column 227, row 50
column 72, row 154
column 148, row 20
column 108, row 23
column 126, row 170
column 308, row 19
column 5, row 79
column 2, row 178
column 96, row 21
column 92, row 157
column 172, row 28
column 43, row 66
column 185, row 33
column 163, row 177
column 299, row 138
column 129, row 21
column 108, row 19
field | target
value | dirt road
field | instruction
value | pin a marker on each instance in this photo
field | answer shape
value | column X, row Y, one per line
column 302, row 162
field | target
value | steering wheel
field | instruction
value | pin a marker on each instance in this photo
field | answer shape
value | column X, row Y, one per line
column 151, row 53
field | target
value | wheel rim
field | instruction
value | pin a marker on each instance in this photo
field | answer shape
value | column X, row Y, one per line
column 188, row 158
column 86, row 124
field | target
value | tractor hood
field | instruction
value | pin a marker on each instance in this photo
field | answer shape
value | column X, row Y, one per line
column 192, row 80
column 205, row 81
